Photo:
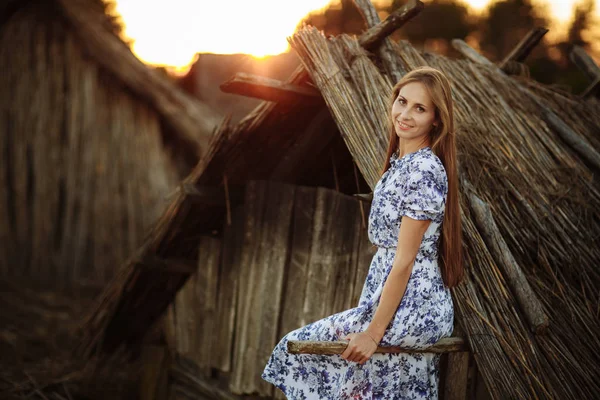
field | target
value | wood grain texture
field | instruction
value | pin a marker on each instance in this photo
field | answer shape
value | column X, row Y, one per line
column 269, row 208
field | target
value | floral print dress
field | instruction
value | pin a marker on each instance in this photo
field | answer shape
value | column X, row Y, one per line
column 416, row 186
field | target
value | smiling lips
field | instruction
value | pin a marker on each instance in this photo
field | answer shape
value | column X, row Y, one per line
column 403, row 126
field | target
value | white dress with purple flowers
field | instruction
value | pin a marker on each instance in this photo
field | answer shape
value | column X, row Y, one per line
column 416, row 186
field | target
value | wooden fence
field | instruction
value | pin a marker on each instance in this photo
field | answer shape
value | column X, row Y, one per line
column 291, row 255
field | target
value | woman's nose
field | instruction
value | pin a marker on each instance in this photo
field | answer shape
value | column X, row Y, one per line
column 405, row 114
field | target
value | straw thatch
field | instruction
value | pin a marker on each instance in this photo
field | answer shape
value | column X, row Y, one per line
column 544, row 200
column 93, row 141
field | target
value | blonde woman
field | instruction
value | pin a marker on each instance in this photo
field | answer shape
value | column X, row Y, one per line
column 415, row 223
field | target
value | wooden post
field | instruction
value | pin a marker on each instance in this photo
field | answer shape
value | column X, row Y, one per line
column 587, row 65
column 379, row 31
column 522, row 50
column 270, row 89
column 455, row 387
column 445, row 345
column 584, row 62
column 531, row 306
column 388, row 55
column 470, row 54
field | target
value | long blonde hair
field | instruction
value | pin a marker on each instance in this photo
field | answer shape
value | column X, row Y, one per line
column 443, row 144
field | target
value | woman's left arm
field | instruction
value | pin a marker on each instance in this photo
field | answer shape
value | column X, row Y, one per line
column 363, row 345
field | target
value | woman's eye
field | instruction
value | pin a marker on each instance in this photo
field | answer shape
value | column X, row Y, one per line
column 421, row 109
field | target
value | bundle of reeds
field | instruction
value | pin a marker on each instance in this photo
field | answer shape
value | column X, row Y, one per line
column 542, row 196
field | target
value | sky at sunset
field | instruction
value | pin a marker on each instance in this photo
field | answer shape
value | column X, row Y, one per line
column 173, row 35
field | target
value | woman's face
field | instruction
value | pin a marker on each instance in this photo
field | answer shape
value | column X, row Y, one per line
column 413, row 112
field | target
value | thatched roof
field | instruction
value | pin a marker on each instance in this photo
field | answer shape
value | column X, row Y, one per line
column 524, row 149
column 544, row 197
column 191, row 120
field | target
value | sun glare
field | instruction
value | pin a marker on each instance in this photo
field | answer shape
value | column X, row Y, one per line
column 171, row 33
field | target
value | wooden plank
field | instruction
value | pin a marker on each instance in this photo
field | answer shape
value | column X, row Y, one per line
column 445, row 345
column 520, row 52
column 205, row 301
column 227, row 297
column 584, row 62
column 381, row 30
column 347, row 222
column 366, row 253
column 392, row 63
column 455, row 387
column 292, row 316
column 253, row 226
column 268, row 223
column 270, row 89
column 469, row 53
column 323, row 257
column 530, row 304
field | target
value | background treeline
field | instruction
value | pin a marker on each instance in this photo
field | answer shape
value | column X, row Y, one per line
column 494, row 32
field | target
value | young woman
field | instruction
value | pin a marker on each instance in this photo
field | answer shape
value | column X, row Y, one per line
column 415, row 223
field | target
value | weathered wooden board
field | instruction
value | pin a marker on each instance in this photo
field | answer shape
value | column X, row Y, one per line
column 205, row 294
column 365, row 256
column 292, row 302
column 193, row 314
column 227, row 293
column 335, row 221
column 455, row 387
column 269, row 208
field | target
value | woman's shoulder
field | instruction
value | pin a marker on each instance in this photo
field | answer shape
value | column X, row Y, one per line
column 427, row 161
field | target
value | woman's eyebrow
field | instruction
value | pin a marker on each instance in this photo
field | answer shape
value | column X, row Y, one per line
column 418, row 104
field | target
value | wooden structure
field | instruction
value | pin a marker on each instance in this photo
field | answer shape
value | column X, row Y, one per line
column 527, row 308
column 93, row 143
column 291, row 255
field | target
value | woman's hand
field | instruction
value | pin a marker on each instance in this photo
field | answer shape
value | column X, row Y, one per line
column 360, row 349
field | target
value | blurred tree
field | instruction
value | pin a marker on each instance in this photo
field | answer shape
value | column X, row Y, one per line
column 505, row 24
column 438, row 23
column 583, row 13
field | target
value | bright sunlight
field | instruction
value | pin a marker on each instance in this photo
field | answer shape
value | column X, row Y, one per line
column 171, row 33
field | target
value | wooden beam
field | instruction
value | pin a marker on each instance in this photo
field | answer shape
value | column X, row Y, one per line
column 522, row 50
column 392, row 63
column 584, row 62
column 366, row 197
column 446, row 345
column 469, row 53
column 530, row 305
column 592, row 89
column 376, row 34
column 270, row 89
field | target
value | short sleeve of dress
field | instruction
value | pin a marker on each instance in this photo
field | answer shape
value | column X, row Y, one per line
column 424, row 194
